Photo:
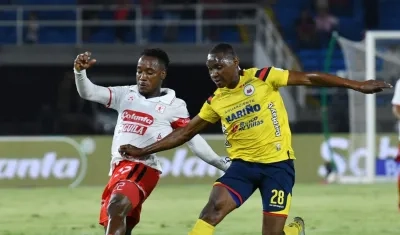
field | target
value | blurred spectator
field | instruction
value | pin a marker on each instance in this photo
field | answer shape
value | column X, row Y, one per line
column 211, row 31
column 306, row 31
column 32, row 34
column 121, row 14
column 88, row 31
column 321, row 4
column 171, row 30
column 326, row 23
column 92, row 15
column 147, row 7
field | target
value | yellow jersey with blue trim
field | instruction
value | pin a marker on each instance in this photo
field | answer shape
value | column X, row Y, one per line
column 253, row 116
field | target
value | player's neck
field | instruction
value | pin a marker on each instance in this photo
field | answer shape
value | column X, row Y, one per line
column 234, row 83
column 156, row 93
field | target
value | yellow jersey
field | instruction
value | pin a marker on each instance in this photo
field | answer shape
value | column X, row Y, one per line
column 253, row 116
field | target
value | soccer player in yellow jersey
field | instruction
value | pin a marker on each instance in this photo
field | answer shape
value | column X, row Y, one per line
column 258, row 138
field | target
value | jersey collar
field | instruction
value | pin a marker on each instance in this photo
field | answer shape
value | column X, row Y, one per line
column 166, row 99
column 242, row 79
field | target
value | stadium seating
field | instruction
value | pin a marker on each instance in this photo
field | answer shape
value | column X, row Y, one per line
column 351, row 27
column 389, row 11
column 65, row 34
column 286, row 11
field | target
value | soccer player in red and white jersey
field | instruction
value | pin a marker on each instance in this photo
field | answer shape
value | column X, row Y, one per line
column 146, row 114
column 396, row 112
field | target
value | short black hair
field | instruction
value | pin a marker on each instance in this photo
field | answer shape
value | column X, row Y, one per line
column 224, row 48
column 158, row 53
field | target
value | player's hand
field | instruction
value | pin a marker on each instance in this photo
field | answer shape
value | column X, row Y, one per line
column 372, row 86
column 226, row 163
column 83, row 61
column 130, row 151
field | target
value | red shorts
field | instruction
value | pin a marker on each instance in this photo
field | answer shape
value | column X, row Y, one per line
column 134, row 180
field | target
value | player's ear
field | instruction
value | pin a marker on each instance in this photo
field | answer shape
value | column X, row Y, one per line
column 163, row 74
column 236, row 61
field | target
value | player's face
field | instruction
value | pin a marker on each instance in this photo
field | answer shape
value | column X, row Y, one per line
column 222, row 69
column 149, row 75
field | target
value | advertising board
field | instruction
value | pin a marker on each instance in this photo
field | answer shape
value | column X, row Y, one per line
column 73, row 161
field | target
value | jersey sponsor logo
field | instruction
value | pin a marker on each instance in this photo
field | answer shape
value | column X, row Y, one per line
column 248, row 109
column 274, row 119
column 240, row 105
column 248, row 90
column 225, row 132
column 247, row 124
column 137, row 117
column 133, row 128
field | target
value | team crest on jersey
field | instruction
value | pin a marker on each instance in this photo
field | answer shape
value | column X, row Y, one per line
column 248, row 90
column 160, row 108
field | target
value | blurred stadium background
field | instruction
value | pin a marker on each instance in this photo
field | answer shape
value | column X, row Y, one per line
column 54, row 148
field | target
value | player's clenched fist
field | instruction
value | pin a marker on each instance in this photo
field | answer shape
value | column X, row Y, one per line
column 83, row 61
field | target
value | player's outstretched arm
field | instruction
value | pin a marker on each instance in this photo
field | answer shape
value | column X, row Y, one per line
column 201, row 149
column 86, row 89
column 174, row 139
column 328, row 80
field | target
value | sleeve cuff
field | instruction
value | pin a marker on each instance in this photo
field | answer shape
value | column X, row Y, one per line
column 80, row 74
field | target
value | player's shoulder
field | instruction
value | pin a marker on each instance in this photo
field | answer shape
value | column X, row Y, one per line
column 122, row 88
column 260, row 73
column 127, row 87
column 177, row 102
column 256, row 73
column 214, row 96
column 176, row 106
column 249, row 72
column 169, row 98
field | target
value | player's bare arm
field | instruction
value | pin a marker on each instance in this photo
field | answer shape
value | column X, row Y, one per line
column 328, row 80
column 176, row 138
column 86, row 89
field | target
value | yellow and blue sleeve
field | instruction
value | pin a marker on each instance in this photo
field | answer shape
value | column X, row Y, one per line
column 207, row 113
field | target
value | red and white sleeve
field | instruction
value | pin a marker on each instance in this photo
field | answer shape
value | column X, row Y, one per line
column 116, row 94
column 180, row 117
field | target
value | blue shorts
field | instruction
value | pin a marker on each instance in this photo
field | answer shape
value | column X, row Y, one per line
column 274, row 180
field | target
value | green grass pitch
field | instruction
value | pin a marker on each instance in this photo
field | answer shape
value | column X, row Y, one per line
column 327, row 210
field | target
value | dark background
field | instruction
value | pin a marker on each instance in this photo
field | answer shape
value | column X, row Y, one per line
column 42, row 100
column 35, row 100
